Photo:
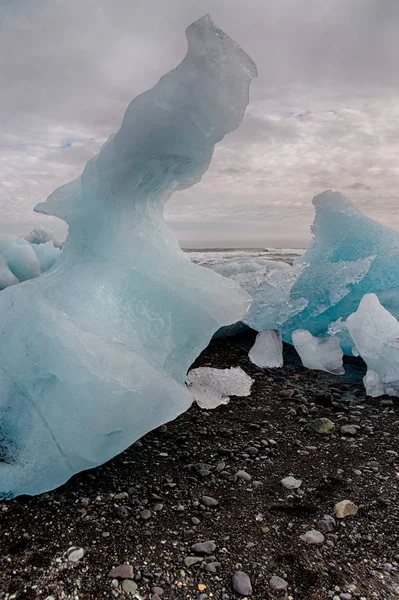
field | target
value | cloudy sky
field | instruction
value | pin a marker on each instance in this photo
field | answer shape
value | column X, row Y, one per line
column 324, row 111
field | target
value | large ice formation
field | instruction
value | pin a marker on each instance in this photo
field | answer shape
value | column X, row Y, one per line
column 351, row 255
column 267, row 350
column 321, row 354
column 22, row 259
column 375, row 332
column 213, row 387
column 95, row 352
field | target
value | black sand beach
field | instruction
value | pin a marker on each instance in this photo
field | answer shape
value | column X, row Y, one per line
column 147, row 508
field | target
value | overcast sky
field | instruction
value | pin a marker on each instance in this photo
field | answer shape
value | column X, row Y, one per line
column 324, row 111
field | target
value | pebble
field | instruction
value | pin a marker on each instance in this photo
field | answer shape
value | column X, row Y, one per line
column 345, row 508
column 348, row 430
column 129, row 586
column 244, row 475
column 212, row 567
column 157, row 590
column 322, row 425
column 204, row 548
column 312, row 537
column 288, row 393
column 278, row 583
column 326, row 524
column 121, row 496
column 122, row 572
column 241, row 583
column 208, row 501
column 189, row 561
column 122, row 512
column 75, row 553
column 290, row 483
column 145, row 514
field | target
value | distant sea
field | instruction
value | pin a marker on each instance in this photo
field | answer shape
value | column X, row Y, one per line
column 211, row 256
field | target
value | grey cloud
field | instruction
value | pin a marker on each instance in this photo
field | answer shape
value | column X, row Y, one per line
column 323, row 111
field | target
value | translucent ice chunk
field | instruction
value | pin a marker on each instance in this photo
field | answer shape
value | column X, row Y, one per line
column 375, row 332
column 95, row 352
column 213, row 387
column 268, row 349
column 40, row 235
column 321, row 354
column 20, row 260
column 351, row 255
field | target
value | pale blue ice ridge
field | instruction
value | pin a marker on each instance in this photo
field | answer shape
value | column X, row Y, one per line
column 94, row 352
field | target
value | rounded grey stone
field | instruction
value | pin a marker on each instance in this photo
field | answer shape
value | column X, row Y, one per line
column 278, row 583
column 241, row 583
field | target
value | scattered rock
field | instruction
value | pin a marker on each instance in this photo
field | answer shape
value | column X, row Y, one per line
column 348, row 430
column 312, row 537
column 322, row 425
column 288, row 393
column 129, row 586
column 291, row 483
column 278, row 583
column 345, row 508
column 326, row 524
column 204, row 548
column 122, row 572
column 75, row 553
column 243, row 475
column 122, row 512
column 189, row 561
column 145, row 514
column 209, row 502
column 241, row 584
column 212, row 567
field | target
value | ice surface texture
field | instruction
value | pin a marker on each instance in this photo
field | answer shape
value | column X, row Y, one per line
column 213, row 387
column 321, row 354
column 95, row 352
column 351, row 255
column 22, row 259
column 268, row 349
column 375, row 332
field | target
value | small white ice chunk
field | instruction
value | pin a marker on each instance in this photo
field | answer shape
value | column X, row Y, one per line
column 373, row 384
column 213, row 387
column 268, row 349
column 375, row 332
column 321, row 354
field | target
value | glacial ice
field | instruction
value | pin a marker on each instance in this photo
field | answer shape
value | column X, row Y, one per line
column 351, row 255
column 40, row 235
column 21, row 259
column 375, row 332
column 213, row 387
column 321, row 354
column 267, row 350
column 95, row 352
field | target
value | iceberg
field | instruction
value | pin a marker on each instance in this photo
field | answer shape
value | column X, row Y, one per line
column 351, row 255
column 267, row 350
column 320, row 354
column 375, row 332
column 213, row 387
column 95, row 352
column 21, row 260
